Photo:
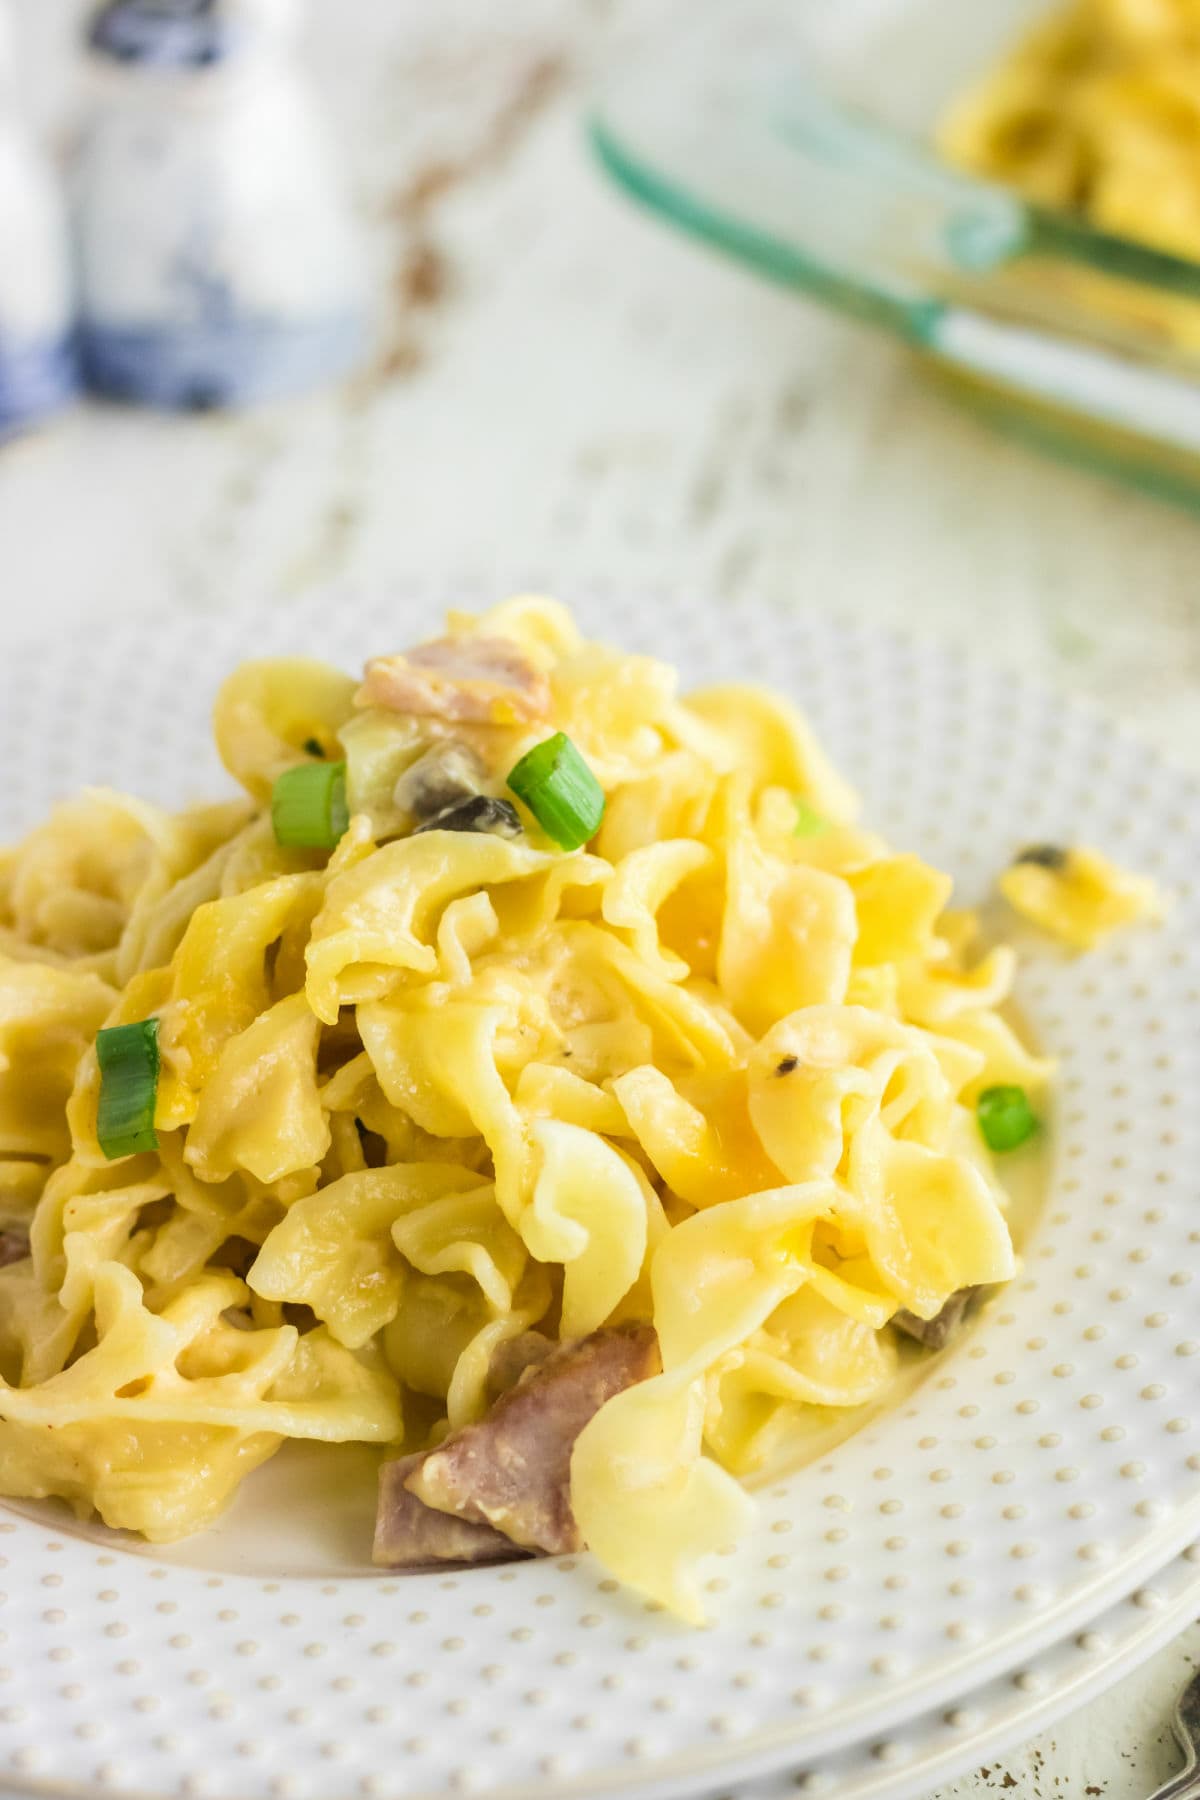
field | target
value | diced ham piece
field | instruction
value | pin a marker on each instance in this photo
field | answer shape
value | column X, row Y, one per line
column 510, row 1473
column 411, row 1535
column 14, row 1247
column 513, row 1469
column 484, row 680
column 937, row 1332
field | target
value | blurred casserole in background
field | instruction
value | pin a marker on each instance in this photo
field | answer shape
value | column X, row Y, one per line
column 1011, row 187
column 1097, row 109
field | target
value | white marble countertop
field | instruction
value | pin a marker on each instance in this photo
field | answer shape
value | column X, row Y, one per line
column 565, row 393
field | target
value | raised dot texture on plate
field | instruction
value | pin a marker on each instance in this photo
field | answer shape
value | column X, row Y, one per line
column 924, row 735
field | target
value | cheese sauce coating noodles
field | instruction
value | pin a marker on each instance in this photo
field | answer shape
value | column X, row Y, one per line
column 443, row 1085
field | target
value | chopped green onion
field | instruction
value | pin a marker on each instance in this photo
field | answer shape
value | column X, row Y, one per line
column 314, row 746
column 128, row 1058
column 560, row 791
column 308, row 806
column 809, row 822
column 1006, row 1118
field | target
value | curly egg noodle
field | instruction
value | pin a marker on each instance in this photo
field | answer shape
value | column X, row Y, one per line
column 421, row 1094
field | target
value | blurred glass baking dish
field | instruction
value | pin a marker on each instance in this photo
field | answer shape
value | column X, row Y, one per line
column 796, row 135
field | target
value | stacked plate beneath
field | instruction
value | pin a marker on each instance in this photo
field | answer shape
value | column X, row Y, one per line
column 913, row 1758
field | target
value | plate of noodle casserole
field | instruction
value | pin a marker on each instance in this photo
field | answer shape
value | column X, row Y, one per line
column 527, row 1190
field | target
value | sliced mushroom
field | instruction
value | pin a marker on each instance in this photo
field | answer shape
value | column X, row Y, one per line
column 442, row 777
column 482, row 813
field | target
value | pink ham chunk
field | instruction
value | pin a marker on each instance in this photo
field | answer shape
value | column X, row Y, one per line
column 509, row 1475
column 411, row 1535
column 482, row 680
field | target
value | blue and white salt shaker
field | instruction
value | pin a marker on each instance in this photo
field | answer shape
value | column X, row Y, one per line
column 217, row 260
column 37, row 364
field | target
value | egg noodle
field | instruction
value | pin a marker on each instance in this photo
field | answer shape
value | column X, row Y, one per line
column 716, row 1071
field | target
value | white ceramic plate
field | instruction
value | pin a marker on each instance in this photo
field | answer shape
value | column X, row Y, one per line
column 1007, row 1710
column 1049, row 1463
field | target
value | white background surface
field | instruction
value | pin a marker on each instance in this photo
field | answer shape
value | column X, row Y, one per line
column 590, row 399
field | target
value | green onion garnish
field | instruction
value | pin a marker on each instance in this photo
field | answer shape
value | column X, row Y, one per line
column 809, row 822
column 128, row 1058
column 1005, row 1116
column 560, row 791
column 308, row 806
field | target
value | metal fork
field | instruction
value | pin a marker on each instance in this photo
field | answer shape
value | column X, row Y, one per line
column 1185, row 1723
